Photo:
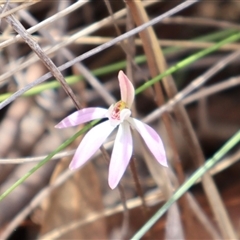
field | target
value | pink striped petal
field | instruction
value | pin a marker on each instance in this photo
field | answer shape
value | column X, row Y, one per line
column 152, row 140
column 91, row 142
column 121, row 155
column 126, row 88
column 82, row 116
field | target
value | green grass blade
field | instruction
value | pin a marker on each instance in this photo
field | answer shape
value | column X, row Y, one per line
column 74, row 79
column 188, row 61
column 116, row 66
column 45, row 160
column 184, row 188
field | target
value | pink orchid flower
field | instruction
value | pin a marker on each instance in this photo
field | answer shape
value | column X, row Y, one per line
column 118, row 115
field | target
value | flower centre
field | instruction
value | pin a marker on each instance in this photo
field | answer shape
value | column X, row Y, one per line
column 117, row 108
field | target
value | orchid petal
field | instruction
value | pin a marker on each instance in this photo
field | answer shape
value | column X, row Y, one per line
column 121, row 155
column 82, row 116
column 91, row 143
column 152, row 140
column 126, row 88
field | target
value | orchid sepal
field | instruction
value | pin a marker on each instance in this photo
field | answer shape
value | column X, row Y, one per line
column 152, row 140
column 82, row 116
column 126, row 89
column 91, row 142
column 121, row 154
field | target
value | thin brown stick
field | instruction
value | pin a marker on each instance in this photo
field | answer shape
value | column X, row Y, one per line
column 138, row 185
column 196, row 83
column 109, row 99
column 126, row 46
column 53, row 50
column 4, row 10
column 133, row 203
column 99, row 49
column 148, row 38
column 55, row 71
column 155, row 198
column 213, row 89
column 5, row 13
column 201, row 22
column 211, row 191
column 140, row 193
column 202, row 217
column 42, row 24
column 96, row 40
column 17, row 26
column 125, row 223
column 219, row 167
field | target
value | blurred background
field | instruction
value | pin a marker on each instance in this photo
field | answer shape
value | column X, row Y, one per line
column 56, row 203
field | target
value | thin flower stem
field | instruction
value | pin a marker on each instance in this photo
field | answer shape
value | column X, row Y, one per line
column 138, row 185
column 125, row 223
